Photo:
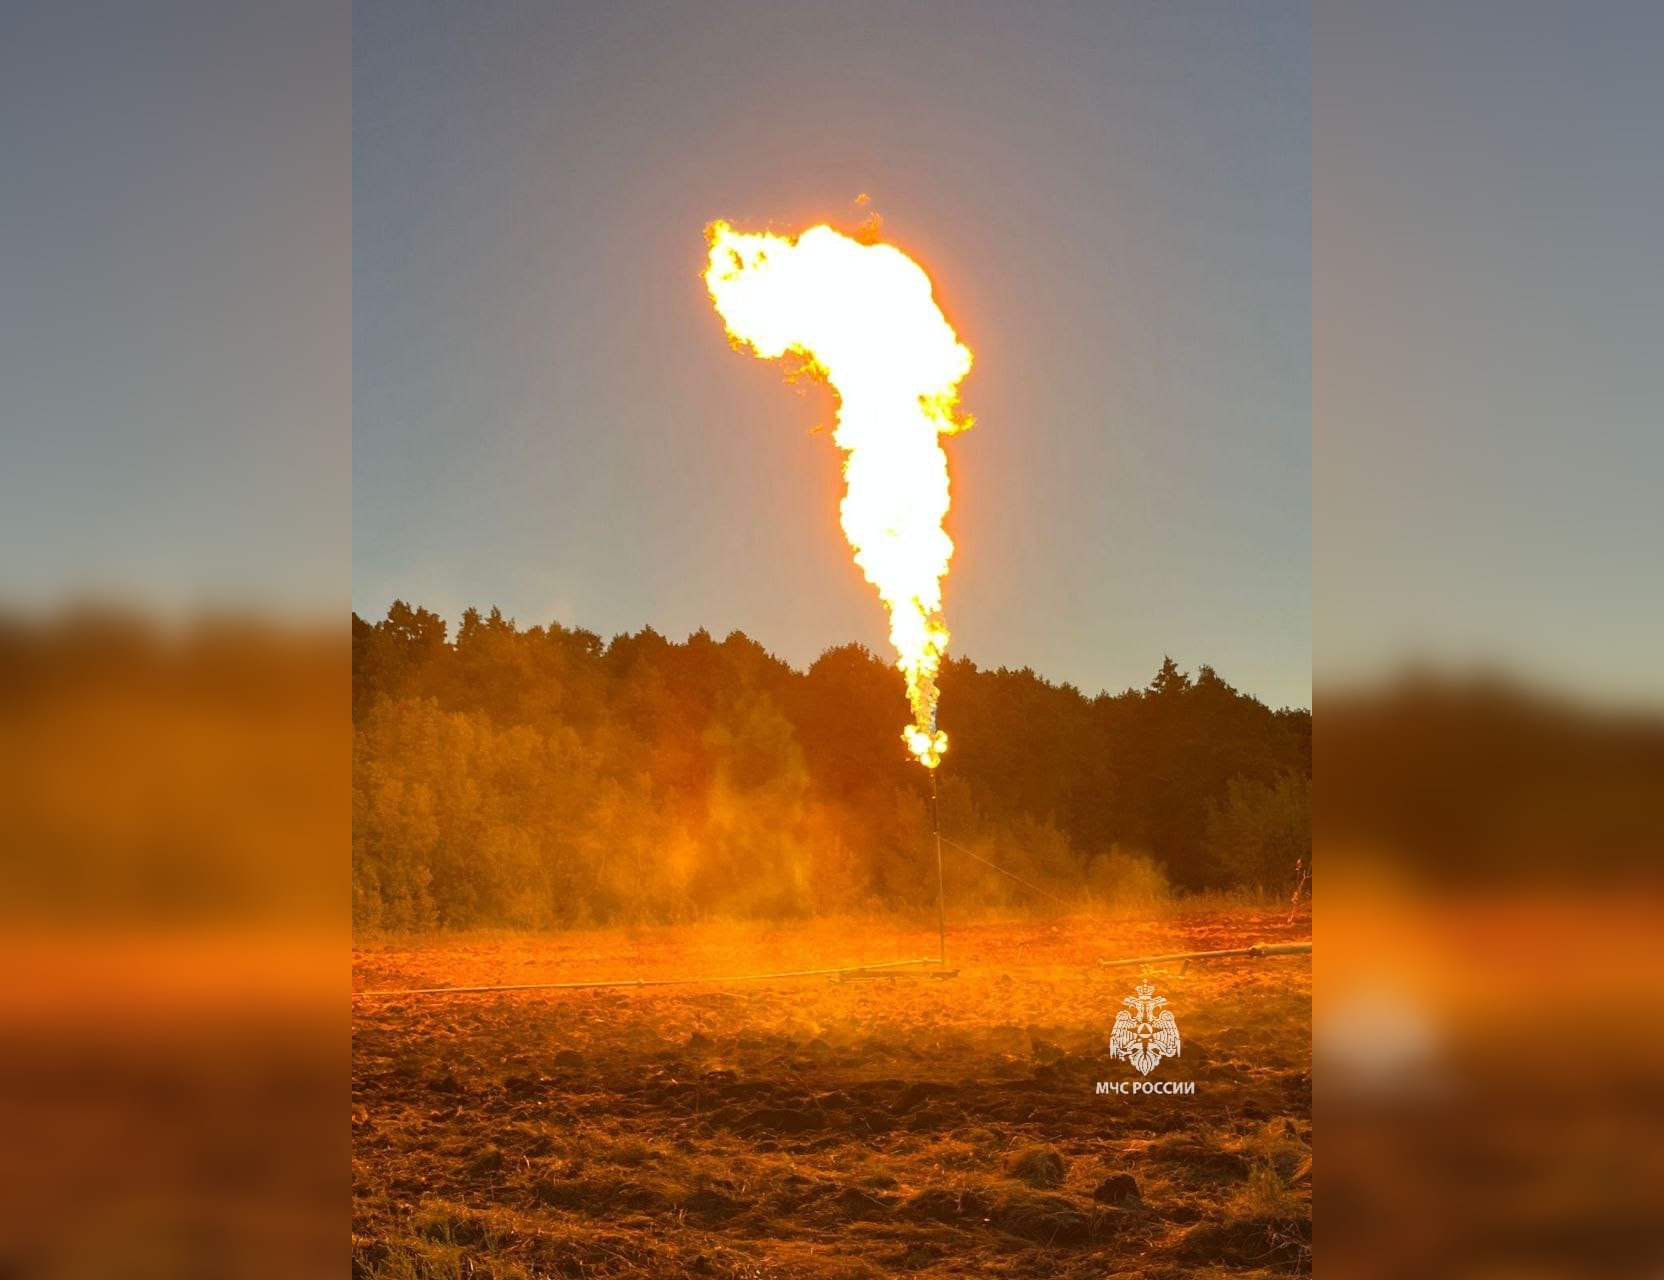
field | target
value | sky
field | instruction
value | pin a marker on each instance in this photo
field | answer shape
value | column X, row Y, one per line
column 1114, row 203
column 302, row 305
column 1488, row 271
column 175, row 308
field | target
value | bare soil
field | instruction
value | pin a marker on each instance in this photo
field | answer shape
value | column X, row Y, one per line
column 823, row 1128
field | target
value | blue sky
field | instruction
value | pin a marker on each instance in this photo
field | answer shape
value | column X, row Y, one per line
column 1488, row 270
column 470, row 254
column 1113, row 200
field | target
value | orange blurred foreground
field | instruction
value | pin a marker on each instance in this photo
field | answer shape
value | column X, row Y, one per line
column 175, row 812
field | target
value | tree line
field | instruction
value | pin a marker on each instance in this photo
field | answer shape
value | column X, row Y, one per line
column 541, row 777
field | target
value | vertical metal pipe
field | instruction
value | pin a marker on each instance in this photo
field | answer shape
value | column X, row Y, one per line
column 941, row 896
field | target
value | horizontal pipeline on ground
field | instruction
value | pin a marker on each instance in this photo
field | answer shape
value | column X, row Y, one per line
column 640, row 982
column 1256, row 951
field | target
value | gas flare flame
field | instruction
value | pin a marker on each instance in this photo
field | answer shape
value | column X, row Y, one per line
column 862, row 315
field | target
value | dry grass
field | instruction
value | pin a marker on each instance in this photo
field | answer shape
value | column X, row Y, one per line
column 830, row 1129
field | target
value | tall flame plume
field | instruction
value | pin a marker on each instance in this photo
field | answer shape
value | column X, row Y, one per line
column 862, row 315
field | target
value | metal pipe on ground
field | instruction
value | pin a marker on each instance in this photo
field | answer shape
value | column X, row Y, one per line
column 1258, row 950
column 845, row 970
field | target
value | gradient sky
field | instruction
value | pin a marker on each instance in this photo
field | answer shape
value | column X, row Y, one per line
column 1488, row 259
column 1113, row 201
column 175, row 307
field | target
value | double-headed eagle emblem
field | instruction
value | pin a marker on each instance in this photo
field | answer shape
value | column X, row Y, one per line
column 1145, row 1033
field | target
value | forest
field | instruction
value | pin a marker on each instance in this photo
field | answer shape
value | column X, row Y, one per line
column 542, row 777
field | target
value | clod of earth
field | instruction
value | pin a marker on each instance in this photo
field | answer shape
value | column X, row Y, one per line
column 941, row 1205
column 1118, row 1189
column 1038, row 1167
column 713, row 1205
column 1044, row 1219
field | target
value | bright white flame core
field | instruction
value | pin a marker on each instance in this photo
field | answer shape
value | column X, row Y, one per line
column 863, row 315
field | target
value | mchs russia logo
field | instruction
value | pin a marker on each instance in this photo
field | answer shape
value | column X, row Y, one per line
column 1145, row 1032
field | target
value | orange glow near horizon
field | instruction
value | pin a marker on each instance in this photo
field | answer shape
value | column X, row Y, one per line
column 862, row 316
